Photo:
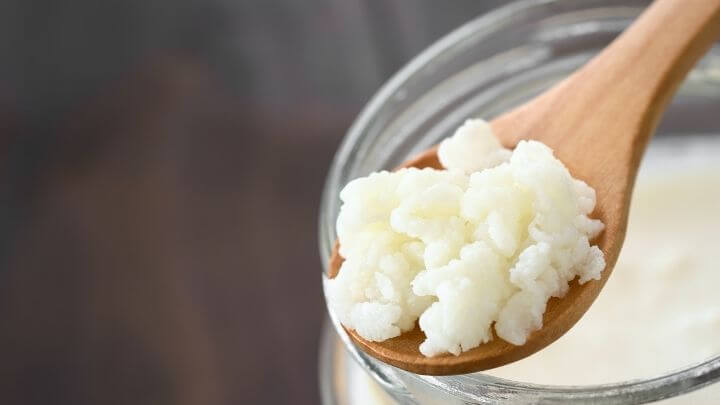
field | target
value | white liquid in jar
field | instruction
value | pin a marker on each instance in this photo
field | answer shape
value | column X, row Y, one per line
column 660, row 309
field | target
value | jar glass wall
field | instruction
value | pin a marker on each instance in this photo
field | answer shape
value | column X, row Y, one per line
column 485, row 67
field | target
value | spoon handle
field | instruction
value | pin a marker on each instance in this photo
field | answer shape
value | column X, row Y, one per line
column 647, row 62
column 621, row 93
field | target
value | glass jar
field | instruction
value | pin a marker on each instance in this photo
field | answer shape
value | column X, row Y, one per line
column 483, row 68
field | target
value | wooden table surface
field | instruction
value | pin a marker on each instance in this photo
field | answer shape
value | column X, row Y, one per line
column 162, row 163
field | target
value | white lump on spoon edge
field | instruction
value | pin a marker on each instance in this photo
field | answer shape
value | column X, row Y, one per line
column 482, row 244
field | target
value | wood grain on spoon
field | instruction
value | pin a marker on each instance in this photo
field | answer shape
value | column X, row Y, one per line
column 598, row 121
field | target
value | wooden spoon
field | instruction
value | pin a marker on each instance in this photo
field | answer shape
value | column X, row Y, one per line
column 598, row 121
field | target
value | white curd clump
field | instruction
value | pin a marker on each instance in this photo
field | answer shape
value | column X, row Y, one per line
column 487, row 241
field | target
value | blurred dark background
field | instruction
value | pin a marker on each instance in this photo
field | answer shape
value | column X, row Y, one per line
column 161, row 166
